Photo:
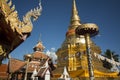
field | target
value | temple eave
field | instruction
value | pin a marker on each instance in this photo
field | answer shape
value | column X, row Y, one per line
column 13, row 31
column 9, row 39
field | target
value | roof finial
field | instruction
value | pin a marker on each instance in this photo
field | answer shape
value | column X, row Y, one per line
column 74, row 16
column 74, row 7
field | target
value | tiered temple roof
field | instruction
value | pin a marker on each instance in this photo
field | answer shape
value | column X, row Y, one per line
column 15, row 65
column 38, row 61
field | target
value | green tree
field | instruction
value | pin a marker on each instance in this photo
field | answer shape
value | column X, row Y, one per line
column 110, row 54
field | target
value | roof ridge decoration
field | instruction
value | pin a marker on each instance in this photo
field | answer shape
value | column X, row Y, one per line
column 24, row 26
column 75, row 19
column 17, row 29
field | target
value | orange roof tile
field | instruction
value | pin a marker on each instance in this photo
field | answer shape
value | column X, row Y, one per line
column 39, row 45
column 3, row 71
column 15, row 64
column 40, row 55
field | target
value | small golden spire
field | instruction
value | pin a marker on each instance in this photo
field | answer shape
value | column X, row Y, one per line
column 75, row 20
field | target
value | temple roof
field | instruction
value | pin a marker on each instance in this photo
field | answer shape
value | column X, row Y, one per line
column 38, row 59
column 39, row 47
column 3, row 71
column 13, row 31
column 15, row 65
column 39, row 55
column 38, row 51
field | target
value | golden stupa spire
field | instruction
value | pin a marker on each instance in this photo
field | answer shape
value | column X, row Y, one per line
column 75, row 20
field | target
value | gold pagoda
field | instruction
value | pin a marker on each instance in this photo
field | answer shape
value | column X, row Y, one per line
column 72, row 54
column 13, row 31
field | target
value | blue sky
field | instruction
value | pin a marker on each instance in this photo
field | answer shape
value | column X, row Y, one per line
column 55, row 19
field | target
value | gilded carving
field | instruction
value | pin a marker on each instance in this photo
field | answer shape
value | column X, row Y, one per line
column 1, row 50
column 13, row 25
column 12, row 18
column 27, row 23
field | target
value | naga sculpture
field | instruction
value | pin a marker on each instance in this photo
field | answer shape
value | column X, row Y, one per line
column 14, row 31
column 26, row 25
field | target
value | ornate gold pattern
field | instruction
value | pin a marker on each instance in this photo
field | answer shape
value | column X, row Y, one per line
column 14, row 30
column 24, row 26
